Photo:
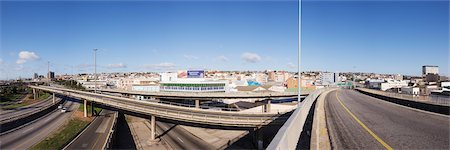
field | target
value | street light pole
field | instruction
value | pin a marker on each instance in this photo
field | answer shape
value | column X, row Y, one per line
column 95, row 70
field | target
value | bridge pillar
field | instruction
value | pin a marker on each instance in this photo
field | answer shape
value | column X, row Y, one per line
column 259, row 139
column 34, row 94
column 92, row 108
column 54, row 99
column 268, row 106
column 152, row 127
column 85, row 108
column 197, row 103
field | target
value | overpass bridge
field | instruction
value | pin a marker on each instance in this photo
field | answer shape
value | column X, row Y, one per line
column 205, row 96
column 186, row 114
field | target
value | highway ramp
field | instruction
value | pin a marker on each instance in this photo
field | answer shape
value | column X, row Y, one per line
column 27, row 136
column 96, row 134
column 179, row 138
column 358, row 121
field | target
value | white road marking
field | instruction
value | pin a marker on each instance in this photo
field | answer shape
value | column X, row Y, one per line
column 28, row 129
column 180, row 140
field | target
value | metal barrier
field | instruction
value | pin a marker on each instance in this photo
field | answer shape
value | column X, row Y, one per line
column 289, row 134
column 195, row 115
column 437, row 100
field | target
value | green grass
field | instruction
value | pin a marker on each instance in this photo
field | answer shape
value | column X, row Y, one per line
column 64, row 136
column 81, row 108
column 14, row 106
column 43, row 96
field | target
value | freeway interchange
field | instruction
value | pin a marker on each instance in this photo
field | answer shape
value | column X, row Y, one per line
column 353, row 121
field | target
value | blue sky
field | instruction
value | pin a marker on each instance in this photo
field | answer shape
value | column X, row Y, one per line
column 384, row 37
column 375, row 36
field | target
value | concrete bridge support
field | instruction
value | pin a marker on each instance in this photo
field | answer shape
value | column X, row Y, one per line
column 85, row 108
column 54, row 98
column 268, row 105
column 34, row 94
column 92, row 108
column 153, row 138
column 197, row 103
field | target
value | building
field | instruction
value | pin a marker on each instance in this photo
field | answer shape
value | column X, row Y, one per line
column 393, row 84
column 51, row 75
column 192, row 86
column 35, row 76
column 146, row 88
column 328, row 78
column 432, row 77
column 374, row 83
column 410, row 90
column 169, row 76
column 428, row 69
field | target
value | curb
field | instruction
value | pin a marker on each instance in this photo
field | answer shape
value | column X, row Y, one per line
column 320, row 138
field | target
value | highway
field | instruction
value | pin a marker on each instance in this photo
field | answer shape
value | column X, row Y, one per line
column 6, row 114
column 96, row 134
column 358, row 121
column 37, row 131
column 178, row 138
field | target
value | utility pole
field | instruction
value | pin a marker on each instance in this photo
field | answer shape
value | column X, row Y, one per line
column 95, row 70
column 48, row 70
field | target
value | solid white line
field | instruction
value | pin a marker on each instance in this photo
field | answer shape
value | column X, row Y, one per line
column 180, row 140
column 28, row 129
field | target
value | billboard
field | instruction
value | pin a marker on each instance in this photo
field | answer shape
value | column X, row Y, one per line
column 195, row 73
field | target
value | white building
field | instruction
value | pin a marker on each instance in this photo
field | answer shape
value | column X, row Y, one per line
column 393, row 84
column 411, row 90
column 328, row 78
column 430, row 70
column 169, row 76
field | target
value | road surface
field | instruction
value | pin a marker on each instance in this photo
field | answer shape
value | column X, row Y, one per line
column 35, row 132
column 358, row 121
column 6, row 114
column 96, row 134
column 178, row 138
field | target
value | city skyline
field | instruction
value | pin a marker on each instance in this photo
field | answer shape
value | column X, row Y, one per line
column 169, row 36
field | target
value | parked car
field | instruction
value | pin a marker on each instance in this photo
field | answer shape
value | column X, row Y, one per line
column 63, row 109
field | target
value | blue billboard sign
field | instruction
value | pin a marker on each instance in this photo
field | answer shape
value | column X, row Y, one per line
column 195, row 73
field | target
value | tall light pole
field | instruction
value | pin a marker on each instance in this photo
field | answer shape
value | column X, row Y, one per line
column 95, row 70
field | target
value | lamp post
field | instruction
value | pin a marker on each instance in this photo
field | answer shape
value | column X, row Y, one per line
column 95, row 70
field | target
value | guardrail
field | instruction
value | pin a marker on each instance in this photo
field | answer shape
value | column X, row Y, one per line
column 194, row 115
column 437, row 100
column 111, row 132
column 289, row 134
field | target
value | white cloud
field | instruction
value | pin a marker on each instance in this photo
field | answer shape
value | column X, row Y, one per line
column 164, row 65
column 25, row 56
column 251, row 57
column 291, row 65
column 223, row 58
column 1, row 61
column 190, row 57
column 119, row 65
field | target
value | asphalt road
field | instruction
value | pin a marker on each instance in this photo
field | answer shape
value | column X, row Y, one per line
column 5, row 114
column 178, row 138
column 395, row 126
column 37, row 131
column 96, row 134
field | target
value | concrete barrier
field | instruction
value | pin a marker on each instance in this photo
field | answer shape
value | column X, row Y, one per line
column 22, row 120
column 111, row 133
column 320, row 139
column 289, row 134
column 409, row 103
